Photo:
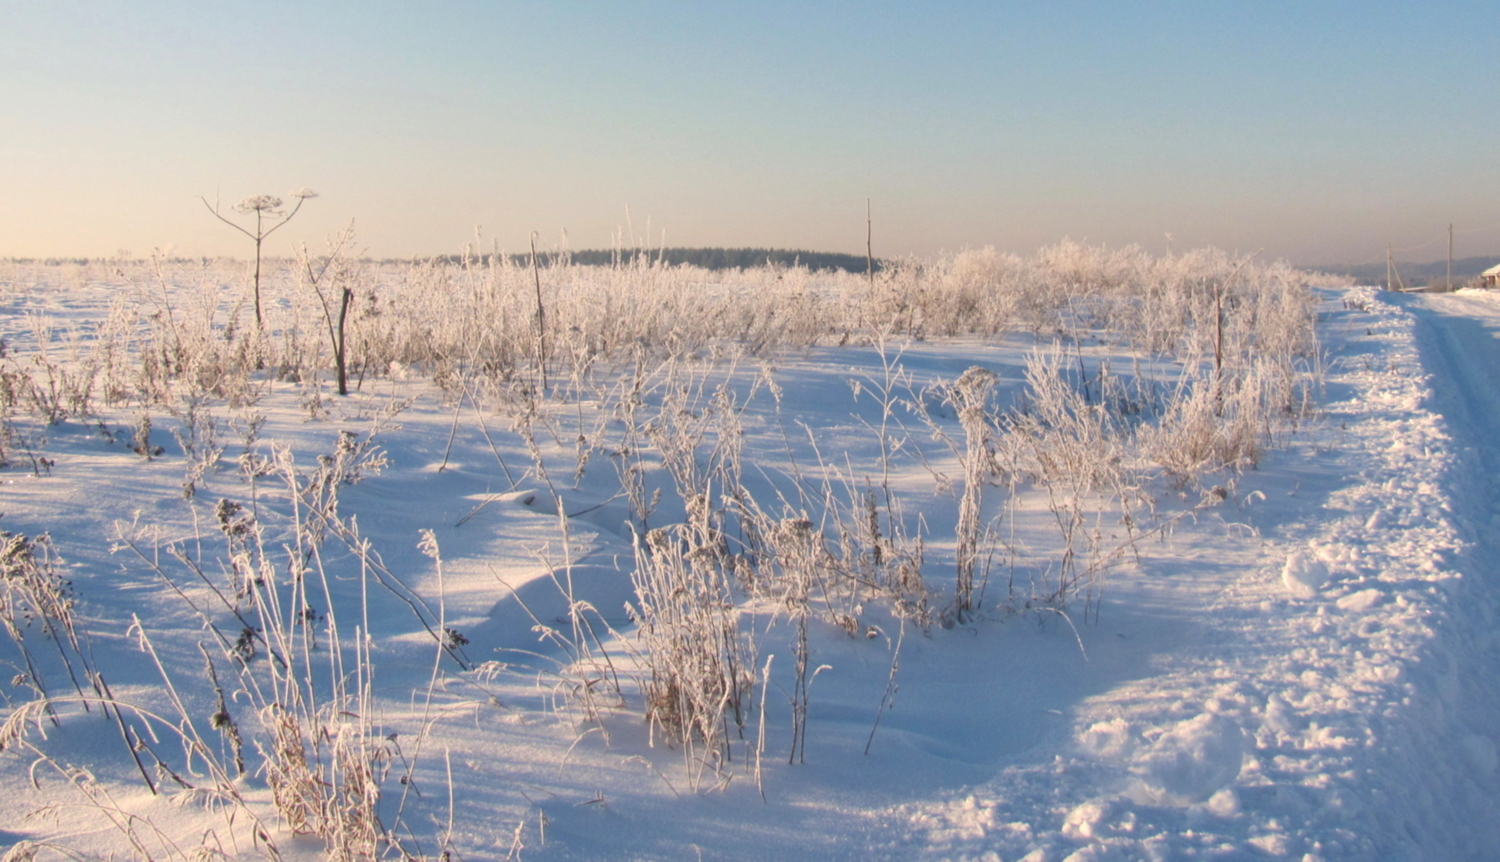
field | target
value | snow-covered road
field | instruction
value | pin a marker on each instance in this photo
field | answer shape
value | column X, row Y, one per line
column 1460, row 339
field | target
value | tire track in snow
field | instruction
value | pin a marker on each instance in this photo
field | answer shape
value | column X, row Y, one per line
column 1460, row 337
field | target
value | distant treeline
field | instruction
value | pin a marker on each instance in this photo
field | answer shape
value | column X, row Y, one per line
column 100, row 261
column 59, row 261
column 1464, row 269
column 707, row 258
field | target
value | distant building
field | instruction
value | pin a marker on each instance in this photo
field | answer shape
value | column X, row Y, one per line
column 1490, row 277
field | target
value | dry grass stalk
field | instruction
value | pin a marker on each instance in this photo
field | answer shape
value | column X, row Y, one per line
column 700, row 668
column 970, row 396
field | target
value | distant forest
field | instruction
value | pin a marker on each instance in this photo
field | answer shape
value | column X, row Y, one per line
column 708, row 258
column 1413, row 274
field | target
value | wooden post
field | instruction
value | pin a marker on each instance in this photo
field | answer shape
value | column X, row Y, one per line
column 541, row 317
column 869, row 253
column 1388, row 267
column 1450, row 257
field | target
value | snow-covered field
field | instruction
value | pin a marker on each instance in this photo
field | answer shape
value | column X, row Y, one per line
column 1295, row 657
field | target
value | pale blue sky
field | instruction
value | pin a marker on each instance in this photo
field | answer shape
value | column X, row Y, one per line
column 1315, row 130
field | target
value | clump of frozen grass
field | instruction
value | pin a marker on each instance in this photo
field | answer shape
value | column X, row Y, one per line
column 143, row 837
column 36, row 598
column 798, row 552
column 197, row 435
column 325, row 757
column 1207, row 429
column 299, row 707
column 60, row 387
column 354, row 458
column 187, row 341
column 33, row 590
column 700, row 668
column 970, row 396
column 1060, row 435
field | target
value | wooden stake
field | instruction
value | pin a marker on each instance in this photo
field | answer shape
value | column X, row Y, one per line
column 541, row 317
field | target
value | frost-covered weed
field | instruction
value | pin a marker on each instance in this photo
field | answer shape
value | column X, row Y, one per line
column 34, row 597
column 970, row 397
column 700, row 667
column 299, row 706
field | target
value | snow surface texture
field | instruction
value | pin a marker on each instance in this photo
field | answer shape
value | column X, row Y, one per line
column 1309, row 670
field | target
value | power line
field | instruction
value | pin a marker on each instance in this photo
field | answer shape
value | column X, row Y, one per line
column 1447, row 234
column 1437, row 238
column 1478, row 229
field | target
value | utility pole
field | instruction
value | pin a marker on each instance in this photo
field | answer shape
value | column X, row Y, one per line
column 1388, row 267
column 869, row 253
column 1450, row 257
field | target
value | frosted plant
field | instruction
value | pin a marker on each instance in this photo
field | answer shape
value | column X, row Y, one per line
column 269, row 218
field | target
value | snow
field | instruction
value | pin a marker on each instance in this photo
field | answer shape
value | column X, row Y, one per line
column 1195, row 760
column 1304, row 574
column 1308, row 668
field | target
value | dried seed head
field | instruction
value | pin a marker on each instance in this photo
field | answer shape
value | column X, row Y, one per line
column 429, row 544
column 796, row 526
column 259, row 204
